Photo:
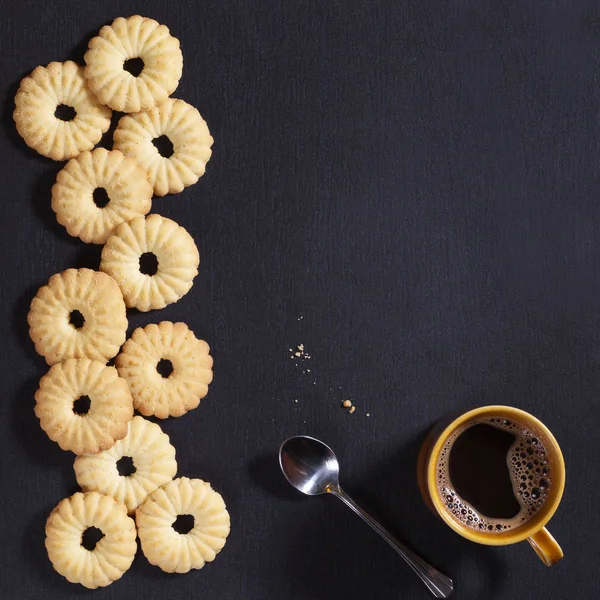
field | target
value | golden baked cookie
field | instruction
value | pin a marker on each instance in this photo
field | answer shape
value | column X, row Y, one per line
column 39, row 95
column 125, row 183
column 90, row 296
column 174, row 251
column 66, row 528
column 186, row 131
column 83, row 405
column 133, row 38
column 153, row 459
column 176, row 552
column 189, row 358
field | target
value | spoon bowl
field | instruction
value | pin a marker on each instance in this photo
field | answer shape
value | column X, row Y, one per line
column 309, row 465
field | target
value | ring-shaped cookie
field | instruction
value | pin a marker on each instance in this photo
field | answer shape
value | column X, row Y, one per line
column 37, row 99
column 124, row 39
column 188, row 134
column 180, row 391
column 177, row 552
column 126, row 184
column 95, row 427
column 175, row 252
column 99, row 302
column 111, row 556
column 153, row 458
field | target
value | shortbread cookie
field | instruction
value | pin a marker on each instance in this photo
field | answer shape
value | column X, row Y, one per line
column 153, row 459
column 175, row 252
column 39, row 95
column 111, row 556
column 82, row 293
column 124, row 39
column 187, row 132
column 177, row 552
column 184, row 387
column 124, row 181
column 83, row 405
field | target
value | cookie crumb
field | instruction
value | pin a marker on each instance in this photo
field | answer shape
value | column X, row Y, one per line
column 352, row 409
column 346, row 404
column 298, row 352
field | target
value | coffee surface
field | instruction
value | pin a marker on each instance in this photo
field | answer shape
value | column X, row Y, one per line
column 493, row 474
column 479, row 473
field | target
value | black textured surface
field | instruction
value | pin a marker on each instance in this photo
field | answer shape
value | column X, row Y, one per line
column 408, row 188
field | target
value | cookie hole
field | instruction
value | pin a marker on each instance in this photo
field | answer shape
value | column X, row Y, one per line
column 76, row 319
column 148, row 263
column 183, row 524
column 164, row 367
column 100, row 197
column 81, row 406
column 90, row 537
column 134, row 66
column 64, row 112
column 125, row 466
column 164, row 146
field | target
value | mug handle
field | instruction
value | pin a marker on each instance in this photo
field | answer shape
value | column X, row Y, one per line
column 546, row 547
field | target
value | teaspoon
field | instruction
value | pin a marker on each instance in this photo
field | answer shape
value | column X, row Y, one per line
column 312, row 468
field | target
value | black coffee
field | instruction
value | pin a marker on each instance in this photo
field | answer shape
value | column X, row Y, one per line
column 493, row 474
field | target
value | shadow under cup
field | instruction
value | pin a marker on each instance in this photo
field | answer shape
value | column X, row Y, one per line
column 532, row 529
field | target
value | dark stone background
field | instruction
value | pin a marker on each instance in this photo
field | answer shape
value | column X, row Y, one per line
column 411, row 189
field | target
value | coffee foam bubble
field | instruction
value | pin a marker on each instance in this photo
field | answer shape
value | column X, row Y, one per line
column 530, row 475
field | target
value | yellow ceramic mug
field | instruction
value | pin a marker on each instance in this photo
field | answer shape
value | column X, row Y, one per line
column 532, row 529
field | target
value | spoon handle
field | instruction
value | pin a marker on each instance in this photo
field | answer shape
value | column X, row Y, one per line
column 439, row 585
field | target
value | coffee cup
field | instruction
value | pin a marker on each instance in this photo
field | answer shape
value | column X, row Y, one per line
column 496, row 476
